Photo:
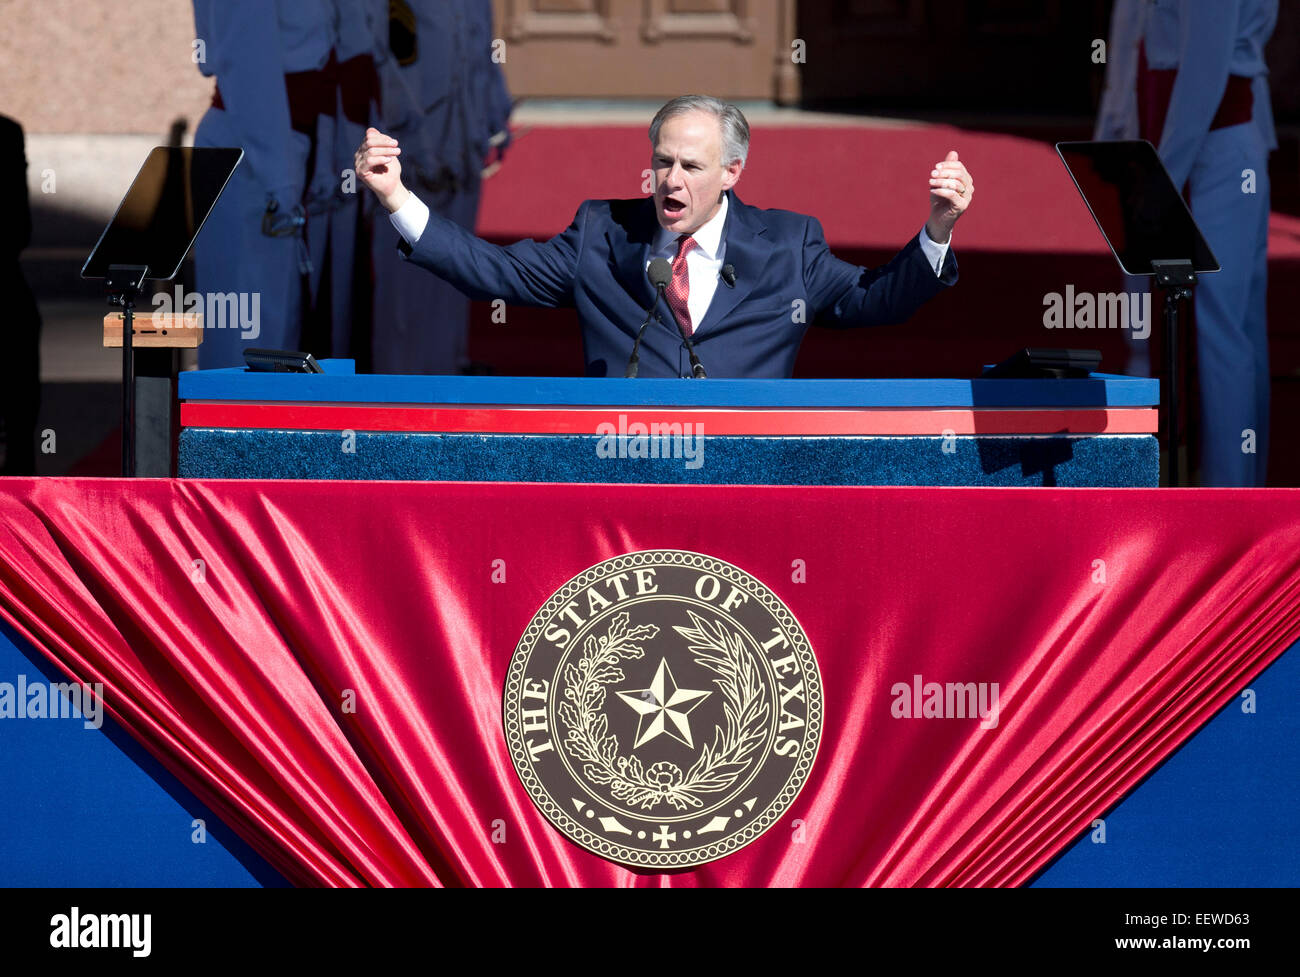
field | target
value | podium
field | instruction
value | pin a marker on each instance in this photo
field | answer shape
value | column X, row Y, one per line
column 1094, row 431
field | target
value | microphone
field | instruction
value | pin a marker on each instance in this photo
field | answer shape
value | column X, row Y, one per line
column 729, row 275
column 660, row 274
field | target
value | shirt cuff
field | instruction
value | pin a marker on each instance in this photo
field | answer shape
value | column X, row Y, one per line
column 412, row 217
column 936, row 254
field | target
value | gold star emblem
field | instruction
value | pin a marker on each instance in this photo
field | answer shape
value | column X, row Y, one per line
column 663, row 708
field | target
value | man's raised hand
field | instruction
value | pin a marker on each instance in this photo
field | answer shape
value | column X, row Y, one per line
column 951, row 190
column 379, row 169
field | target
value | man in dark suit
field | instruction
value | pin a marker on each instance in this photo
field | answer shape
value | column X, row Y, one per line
column 746, row 283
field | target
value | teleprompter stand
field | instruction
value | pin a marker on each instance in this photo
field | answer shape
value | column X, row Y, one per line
column 1176, row 279
column 154, row 228
column 123, row 284
column 1145, row 220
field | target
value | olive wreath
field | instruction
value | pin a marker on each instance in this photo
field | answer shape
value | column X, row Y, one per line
column 717, row 648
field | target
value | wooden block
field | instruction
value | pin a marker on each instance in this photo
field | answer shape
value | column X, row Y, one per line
column 152, row 330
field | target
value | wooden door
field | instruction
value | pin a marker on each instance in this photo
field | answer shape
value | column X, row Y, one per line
column 648, row 49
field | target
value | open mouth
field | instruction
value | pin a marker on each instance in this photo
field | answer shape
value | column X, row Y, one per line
column 673, row 207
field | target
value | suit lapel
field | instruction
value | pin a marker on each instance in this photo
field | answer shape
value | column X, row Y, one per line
column 629, row 246
column 748, row 251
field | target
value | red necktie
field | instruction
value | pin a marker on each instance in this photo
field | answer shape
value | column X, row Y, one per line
column 679, row 289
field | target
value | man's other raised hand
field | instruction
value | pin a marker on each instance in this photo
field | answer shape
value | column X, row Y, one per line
column 379, row 169
column 951, row 191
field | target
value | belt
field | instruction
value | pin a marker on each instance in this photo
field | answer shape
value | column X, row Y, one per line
column 1156, row 88
column 358, row 84
column 315, row 93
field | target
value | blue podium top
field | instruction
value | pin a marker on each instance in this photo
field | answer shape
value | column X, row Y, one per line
column 341, row 384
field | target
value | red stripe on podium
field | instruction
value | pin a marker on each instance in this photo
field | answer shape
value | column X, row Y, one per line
column 756, row 422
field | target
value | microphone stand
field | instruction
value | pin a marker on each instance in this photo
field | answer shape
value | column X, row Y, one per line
column 634, row 362
column 697, row 368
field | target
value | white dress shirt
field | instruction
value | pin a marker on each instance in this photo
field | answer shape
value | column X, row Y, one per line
column 934, row 253
column 703, row 262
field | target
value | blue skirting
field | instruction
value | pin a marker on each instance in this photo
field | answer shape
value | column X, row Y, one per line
column 1080, row 461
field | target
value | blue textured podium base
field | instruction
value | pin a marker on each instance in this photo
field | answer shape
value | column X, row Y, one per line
column 1081, row 461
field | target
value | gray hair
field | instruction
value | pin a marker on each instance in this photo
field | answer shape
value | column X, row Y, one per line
column 735, row 130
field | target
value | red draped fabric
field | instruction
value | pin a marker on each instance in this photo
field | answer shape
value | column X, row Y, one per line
column 322, row 662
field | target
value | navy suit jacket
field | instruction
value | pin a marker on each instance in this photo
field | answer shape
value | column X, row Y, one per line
column 786, row 278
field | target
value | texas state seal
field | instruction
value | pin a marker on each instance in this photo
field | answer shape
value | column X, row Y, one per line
column 663, row 708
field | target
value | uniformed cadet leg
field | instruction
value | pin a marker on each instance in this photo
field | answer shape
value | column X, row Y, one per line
column 232, row 255
column 1232, row 353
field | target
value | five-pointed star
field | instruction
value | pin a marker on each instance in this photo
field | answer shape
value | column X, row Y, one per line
column 663, row 701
